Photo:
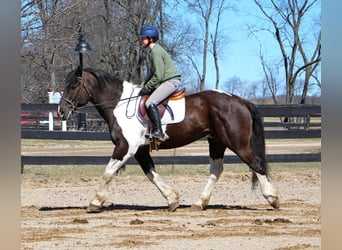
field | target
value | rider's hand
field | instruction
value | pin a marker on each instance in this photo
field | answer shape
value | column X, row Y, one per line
column 145, row 91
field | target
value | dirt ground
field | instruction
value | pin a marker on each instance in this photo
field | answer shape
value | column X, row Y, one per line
column 53, row 213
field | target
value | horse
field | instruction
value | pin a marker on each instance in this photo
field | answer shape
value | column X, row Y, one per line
column 226, row 120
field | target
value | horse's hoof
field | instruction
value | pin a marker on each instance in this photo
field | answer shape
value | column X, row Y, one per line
column 173, row 206
column 108, row 204
column 274, row 202
column 94, row 209
column 196, row 207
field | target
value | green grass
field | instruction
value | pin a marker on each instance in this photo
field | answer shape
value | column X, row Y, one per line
column 62, row 171
column 62, row 143
column 91, row 171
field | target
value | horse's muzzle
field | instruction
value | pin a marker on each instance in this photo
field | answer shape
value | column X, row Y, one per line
column 62, row 114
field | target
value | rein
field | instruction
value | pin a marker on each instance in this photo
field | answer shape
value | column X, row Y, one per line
column 73, row 102
column 102, row 103
column 75, row 108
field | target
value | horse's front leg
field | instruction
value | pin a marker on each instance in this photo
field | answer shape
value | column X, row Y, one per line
column 143, row 157
column 99, row 201
column 122, row 152
column 216, row 168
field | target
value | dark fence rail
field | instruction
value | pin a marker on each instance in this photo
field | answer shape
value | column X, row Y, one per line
column 282, row 110
column 294, row 122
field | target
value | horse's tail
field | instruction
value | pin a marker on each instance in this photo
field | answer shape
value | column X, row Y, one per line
column 257, row 140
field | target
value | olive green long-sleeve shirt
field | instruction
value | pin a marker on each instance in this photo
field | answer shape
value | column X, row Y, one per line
column 162, row 68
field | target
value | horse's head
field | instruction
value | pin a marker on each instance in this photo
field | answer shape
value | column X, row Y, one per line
column 76, row 93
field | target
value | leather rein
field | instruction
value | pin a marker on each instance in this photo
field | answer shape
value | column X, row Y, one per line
column 73, row 103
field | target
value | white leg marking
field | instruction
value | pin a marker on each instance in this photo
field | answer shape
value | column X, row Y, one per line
column 216, row 168
column 112, row 167
column 166, row 190
column 132, row 130
column 270, row 193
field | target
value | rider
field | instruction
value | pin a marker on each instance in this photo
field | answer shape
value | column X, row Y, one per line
column 163, row 79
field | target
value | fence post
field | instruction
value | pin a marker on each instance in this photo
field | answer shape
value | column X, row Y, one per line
column 50, row 121
column 54, row 97
column 64, row 126
column 82, row 121
column 50, row 93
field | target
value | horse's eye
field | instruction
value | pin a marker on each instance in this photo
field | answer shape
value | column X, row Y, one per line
column 75, row 83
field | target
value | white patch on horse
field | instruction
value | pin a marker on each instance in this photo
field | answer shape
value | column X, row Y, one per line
column 112, row 167
column 219, row 91
column 270, row 193
column 216, row 168
column 223, row 92
column 125, row 113
column 166, row 190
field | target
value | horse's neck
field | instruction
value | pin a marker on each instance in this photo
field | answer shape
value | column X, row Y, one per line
column 129, row 90
column 106, row 104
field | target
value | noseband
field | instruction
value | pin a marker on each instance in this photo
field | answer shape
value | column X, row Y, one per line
column 73, row 103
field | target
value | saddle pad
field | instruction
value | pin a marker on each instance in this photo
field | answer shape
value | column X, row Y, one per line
column 178, row 109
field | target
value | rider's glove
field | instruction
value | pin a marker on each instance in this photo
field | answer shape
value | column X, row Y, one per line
column 145, row 91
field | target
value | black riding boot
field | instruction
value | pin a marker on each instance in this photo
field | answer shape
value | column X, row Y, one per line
column 153, row 114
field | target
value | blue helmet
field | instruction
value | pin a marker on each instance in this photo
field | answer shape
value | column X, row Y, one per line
column 149, row 31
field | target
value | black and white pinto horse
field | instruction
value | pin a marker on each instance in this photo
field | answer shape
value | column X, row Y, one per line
column 227, row 121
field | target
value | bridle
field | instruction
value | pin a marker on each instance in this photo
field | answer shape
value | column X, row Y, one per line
column 73, row 103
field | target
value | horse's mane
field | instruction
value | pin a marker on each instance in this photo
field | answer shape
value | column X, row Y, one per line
column 103, row 77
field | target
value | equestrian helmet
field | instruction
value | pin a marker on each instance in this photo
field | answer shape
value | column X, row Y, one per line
column 149, row 31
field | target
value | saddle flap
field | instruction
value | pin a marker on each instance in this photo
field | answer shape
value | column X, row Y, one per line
column 179, row 94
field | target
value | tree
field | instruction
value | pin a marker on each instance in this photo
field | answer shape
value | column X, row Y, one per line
column 181, row 40
column 270, row 78
column 38, row 45
column 215, row 39
column 122, row 54
column 46, row 32
column 209, row 13
column 287, row 22
column 50, row 31
column 203, row 9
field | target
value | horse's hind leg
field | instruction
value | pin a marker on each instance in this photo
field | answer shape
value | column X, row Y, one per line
column 269, row 192
column 216, row 150
column 144, row 159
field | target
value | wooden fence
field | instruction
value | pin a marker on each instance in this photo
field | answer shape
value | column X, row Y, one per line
column 280, row 121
